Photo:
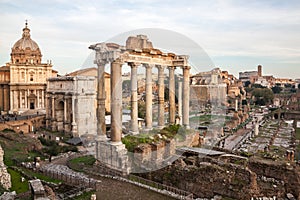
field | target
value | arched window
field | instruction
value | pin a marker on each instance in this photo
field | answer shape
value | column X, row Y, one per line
column 31, row 77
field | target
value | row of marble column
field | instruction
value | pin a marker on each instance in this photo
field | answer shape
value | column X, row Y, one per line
column 65, row 118
column 116, row 99
column 17, row 96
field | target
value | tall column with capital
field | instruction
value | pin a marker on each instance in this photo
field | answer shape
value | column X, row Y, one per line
column 180, row 101
column 116, row 101
column 101, row 126
column 26, row 99
column 53, row 107
column 11, row 106
column 134, row 127
column 53, row 120
column 20, row 99
column 74, row 125
column 38, row 98
column 148, row 96
column 172, row 106
column 43, row 100
column 161, row 96
column 186, row 95
column 65, row 109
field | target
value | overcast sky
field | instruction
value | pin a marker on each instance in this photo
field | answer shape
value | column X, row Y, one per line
column 236, row 35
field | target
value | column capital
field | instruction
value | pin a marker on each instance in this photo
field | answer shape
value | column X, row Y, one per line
column 171, row 67
column 100, row 63
column 146, row 65
column 118, row 61
column 133, row 64
column 186, row 67
column 160, row 67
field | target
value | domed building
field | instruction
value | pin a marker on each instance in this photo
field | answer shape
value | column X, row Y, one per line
column 23, row 80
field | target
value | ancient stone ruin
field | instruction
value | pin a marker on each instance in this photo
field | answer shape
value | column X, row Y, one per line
column 138, row 52
column 4, row 175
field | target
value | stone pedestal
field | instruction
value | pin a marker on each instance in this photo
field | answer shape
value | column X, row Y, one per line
column 114, row 155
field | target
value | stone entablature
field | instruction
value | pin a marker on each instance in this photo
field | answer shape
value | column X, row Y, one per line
column 71, row 105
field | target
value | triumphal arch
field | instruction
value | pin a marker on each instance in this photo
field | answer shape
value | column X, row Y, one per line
column 138, row 52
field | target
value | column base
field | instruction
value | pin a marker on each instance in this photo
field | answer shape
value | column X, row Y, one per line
column 113, row 155
column 148, row 128
column 101, row 138
column 74, row 130
column 160, row 127
column 186, row 126
column 134, row 132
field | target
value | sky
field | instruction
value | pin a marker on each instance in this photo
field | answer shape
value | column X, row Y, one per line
column 236, row 35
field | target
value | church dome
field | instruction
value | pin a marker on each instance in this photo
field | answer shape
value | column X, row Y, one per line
column 26, row 42
column 26, row 50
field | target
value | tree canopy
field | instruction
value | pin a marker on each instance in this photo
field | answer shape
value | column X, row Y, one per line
column 276, row 89
column 263, row 96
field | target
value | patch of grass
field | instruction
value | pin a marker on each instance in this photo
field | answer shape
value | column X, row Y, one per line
column 2, row 190
column 298, row 134
column 18, row 148
column 84, row 196
column 7, row 130
column 53, row 148
column 169, row 132
column 41, row 176
column 17, row 184
column 86, row 160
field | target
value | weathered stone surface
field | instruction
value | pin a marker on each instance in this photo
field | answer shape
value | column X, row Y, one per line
column 206, row 177
column 4, row 175
column 8, row 196
column 138, row 42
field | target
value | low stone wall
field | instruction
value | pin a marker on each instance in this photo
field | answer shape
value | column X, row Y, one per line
column 154, row 155
column 4, row 175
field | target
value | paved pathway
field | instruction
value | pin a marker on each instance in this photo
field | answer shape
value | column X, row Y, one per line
column 233, row 140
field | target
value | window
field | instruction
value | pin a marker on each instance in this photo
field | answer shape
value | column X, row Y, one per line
column 31, row 77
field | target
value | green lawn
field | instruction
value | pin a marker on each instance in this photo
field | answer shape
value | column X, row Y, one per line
column 87, row 160
column 40, row 176
column 17, row 184
column 208, row 118
column 85, row 196
column 298, row 134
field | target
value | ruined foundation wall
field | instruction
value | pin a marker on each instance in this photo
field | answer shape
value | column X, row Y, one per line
column 207, row 177
column 4, row 175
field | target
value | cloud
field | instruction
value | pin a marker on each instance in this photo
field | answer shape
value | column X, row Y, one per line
column 236, row 29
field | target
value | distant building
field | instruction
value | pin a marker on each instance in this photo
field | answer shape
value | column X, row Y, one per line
column 248, row 76
column 208, row 87
column 263, row 82
column 256, row 77
column 23, row 79
column 71, row 105
column 93, row 72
